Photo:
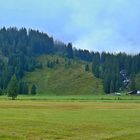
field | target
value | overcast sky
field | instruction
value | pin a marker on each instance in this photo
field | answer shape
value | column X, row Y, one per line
column 98, row 25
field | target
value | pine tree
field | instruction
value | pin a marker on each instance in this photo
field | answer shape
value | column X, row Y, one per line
column 106, row 83
column 13, row 87
column 112, row 88
column 116, row 86
column 87, row 67
column 57, row 61
column 69, row 51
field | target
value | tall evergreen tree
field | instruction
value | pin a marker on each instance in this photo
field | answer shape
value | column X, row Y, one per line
column 69, row 50
column 87, row 67
column 112, row 88
column 106, row 83
column 13, row 87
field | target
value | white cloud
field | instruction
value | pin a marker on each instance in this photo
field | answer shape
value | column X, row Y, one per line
column 101, row 25
column 105, row 26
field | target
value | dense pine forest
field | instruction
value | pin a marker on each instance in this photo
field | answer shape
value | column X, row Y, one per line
column 20, row 48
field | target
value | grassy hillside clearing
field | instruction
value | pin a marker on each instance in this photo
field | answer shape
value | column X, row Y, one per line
column 66, row 78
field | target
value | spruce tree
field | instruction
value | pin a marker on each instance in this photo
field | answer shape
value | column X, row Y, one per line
column 69, row 51
column 112, row 88
column 13, row 88
column 106, row 83
column 87, row 67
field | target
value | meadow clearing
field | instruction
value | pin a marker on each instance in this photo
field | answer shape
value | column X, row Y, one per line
column 50, row 119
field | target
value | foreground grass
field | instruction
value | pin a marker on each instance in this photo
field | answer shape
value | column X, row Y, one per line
column 79, row 98
column 45, row 120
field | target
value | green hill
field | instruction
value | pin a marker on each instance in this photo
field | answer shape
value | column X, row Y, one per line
column 67, row 77
column 20, row 49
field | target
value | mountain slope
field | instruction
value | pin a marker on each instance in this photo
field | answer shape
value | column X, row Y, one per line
column 20, row 49
column 68, row 77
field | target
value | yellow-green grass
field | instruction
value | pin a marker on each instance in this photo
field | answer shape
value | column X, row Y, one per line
column 42, row 120
column 79, row 98
column 64, row 79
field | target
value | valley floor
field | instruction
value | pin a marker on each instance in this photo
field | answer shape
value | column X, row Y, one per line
column 69, row 120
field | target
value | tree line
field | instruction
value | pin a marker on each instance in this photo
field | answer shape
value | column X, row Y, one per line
column 19, row 49
column 109, row 67
column 14, row 88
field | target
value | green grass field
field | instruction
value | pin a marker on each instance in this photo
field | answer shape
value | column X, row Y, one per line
column 69, row 118
column 64, row 111
column 79, row 98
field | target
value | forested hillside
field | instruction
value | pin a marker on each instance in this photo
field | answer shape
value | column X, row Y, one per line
column 21, row 48
column 63, row 77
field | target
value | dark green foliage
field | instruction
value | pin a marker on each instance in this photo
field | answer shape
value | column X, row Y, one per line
column 60, row 48
column 40, row 43
column 108, row 67
column 23, row 88
column 116, row 86
column 96, row 65
column 13, row 87
column 68, row 63
column 106, row 84
column 39, row 65
column 19, row 50
column 1, row 92
column 95, row 70
column 69, row 50
column 112, row 87
column 84, row 55
column 57, row 61
column 50, row 64
column 33, row 90
column 87, row 67
column 133, row 85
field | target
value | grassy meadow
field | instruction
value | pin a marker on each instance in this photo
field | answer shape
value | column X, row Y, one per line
column 70, row 118
column 64, row 111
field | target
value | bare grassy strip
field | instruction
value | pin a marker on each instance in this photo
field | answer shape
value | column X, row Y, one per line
column 80, row 98
column 41, row 120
